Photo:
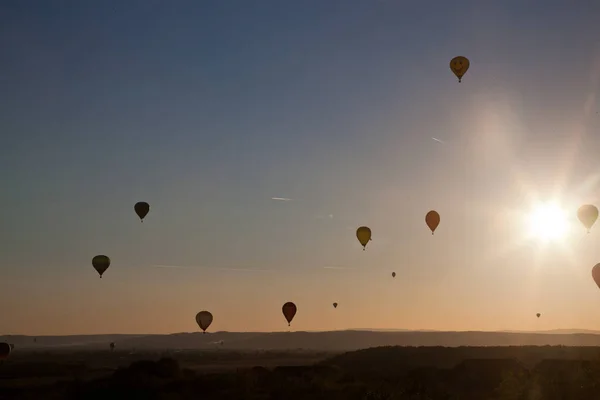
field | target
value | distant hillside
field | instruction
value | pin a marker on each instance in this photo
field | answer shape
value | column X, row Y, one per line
column 324, row 341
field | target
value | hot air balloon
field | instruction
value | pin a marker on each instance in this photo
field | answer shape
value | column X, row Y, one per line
column 432, row 219
column 334, row 305
column 587, row 215
column 538, row 315
column 363, row 234
column 459, row 66
column 112, row 346
column 4, row 351
column 393, row 274
column 289, row 310
column 204, row 319
column 596, row 274
column 141, row 209
column 101, row 264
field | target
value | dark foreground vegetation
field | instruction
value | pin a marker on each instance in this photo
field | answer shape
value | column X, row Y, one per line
column 437, row 373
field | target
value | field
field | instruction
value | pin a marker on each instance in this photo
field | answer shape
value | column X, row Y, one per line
column 479, row 373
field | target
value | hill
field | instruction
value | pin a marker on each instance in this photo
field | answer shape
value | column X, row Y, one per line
column 321, row 341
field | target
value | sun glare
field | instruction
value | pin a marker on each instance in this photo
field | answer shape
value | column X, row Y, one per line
column 548, row 222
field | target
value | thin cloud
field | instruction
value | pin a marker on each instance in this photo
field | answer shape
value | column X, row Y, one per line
column 213, row 268
column 281, row 198
column 339, row 268
column 438, row 140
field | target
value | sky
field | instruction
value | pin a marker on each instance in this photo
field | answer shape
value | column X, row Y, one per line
column 208, row 110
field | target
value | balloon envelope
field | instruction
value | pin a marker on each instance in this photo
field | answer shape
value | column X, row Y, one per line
column 459, row 66
column 587, row 215
column 289, row 310
column 101, row 264
column 204, row 319
column 4, row 350
column 432, row 219
column 363, row 234
column 393, row 274
column 334, row 305
column 538, row 315
column 141, row 209
column 596, row 274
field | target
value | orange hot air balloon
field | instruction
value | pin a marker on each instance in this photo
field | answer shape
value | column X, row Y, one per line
column 587, row 215
column 596, row 274
column 141, row 209
column 289, row 310
column 4, row 351
column 204, row 319
column 432, row 219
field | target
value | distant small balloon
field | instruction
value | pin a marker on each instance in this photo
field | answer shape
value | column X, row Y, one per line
column 363, row 234
column 204, row 319
column 112, row 346
column 101, row 264
column 393, row 274
column 141, row 209
column 538, row 315
column 432, row 219
column 587, row 215
column 289, row 311
column 334, row 305
column 459, row 66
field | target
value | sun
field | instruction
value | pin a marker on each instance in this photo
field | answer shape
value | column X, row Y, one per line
column 548, row 222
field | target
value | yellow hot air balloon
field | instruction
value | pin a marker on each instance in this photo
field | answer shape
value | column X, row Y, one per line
column 204, row 319
column 587, row 215
column 432, row 219
column 459, row 66
column 363, row 234
column 101, row 264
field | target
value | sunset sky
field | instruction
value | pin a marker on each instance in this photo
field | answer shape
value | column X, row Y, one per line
column 208, row 110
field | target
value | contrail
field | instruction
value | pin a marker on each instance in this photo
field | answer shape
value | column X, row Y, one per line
column 438, row 140
column 281, row 199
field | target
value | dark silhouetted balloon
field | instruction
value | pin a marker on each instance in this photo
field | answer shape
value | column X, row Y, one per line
column 587, row 215
column 538, row 315
column 101, row 264
column 112, row 346
column 141, row 209
column 334, row 305
column 204, row 319
column 393, row 274
column 289, row 310
column 432, row 219
column 459, row 66
column 363, row 234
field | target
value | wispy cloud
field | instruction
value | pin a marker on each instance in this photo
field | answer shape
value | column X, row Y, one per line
column 339, row 268
column 281, row 198
column 438, row 140
column 214, row 268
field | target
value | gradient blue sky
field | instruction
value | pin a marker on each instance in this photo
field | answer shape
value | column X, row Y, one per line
column 207, row 109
